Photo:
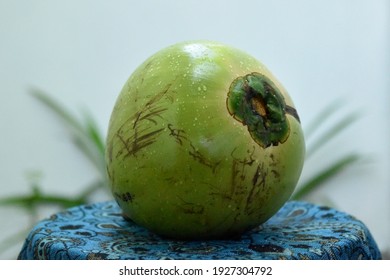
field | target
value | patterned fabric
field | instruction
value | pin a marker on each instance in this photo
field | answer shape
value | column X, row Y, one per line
column 299, row 230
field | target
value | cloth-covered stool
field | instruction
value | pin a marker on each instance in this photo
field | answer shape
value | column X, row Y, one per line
column 299, row 230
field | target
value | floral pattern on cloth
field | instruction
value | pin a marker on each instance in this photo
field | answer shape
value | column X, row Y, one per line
column 299, row 230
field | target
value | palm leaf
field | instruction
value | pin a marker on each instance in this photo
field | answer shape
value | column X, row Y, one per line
column 321, row 117
column 37, row 198
column 329, row 134
column 323, row 176
column 87, row 138
column 58, row 109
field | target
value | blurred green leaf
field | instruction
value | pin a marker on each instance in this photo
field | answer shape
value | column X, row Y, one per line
column 321, row 118
column 58, row 109
column 329, row 134
column 319, row 179
column 87, row 138
column 37, row 198
column 94, row 133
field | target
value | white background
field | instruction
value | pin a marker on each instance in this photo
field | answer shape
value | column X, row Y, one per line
column 82, row 52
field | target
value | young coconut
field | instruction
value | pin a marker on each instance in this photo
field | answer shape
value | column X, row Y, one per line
column 203, row 142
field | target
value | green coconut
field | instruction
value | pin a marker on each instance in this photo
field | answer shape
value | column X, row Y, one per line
column 203, row 142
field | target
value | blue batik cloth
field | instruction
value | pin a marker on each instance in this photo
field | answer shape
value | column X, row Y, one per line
column 299, row 230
